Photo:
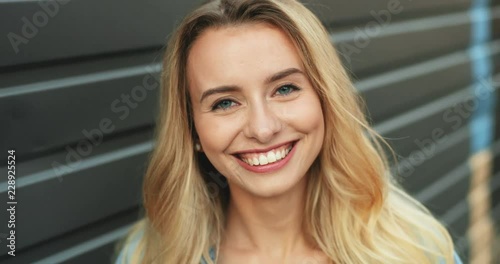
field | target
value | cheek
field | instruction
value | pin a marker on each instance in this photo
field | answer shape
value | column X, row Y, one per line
column 306, row 114
column 215, row 133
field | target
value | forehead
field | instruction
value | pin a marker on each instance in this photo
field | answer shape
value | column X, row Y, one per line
column 240, row 53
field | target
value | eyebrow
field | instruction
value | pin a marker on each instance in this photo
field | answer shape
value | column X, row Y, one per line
column 232, row 88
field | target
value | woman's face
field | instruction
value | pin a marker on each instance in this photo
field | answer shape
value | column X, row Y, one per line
column 255, row 111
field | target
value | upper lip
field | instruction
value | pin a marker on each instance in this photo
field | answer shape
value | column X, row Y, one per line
column 264, row 149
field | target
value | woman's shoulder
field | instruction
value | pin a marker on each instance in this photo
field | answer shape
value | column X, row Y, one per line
column 126, row 253
column 456, row 258
column 129, row 247
column 428, row 232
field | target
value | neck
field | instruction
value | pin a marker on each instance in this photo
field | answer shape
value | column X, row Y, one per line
column 271, row 226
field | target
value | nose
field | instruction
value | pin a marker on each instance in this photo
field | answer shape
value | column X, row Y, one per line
column 262, row 123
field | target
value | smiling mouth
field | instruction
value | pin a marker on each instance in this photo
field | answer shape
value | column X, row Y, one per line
column 268, row 157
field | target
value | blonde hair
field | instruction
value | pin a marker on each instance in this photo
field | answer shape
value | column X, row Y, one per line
column 355, row 212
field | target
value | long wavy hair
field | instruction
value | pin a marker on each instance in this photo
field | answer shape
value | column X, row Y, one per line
column 355, row 212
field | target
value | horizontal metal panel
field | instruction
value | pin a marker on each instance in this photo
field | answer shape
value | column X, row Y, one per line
column 65, row 78
column 495, row 189
column 497, row 114
column 414, row 85
column 496, row 151
column 432, row 121
column 397, row 91
column 456, row 218
column 68, row 190
column 433, row 160
column 102, row 254
column 46, row 108
column 335, row 13
column 16, row 76
column 372, row 49
column 92, row 244
column 495, row 208
column 53, row 30
column 62, row 29
column 453, row 187
column 495, row 179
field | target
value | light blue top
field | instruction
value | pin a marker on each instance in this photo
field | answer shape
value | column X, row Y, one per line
column 457, row 258
column 121, row 256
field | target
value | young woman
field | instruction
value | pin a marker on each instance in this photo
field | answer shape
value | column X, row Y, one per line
column 263, row 153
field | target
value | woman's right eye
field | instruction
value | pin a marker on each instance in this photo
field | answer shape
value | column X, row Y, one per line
column 223, row 105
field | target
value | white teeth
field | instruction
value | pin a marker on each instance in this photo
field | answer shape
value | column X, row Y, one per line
column 262, row 160
column 271, row 157
column 278, row 155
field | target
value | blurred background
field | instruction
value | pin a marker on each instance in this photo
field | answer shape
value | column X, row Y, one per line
column 78, row 97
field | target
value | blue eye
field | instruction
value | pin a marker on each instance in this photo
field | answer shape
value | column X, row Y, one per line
column 223, row 105
column 286, row 89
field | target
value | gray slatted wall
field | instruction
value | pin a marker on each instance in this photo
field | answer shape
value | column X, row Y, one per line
column 71, row 71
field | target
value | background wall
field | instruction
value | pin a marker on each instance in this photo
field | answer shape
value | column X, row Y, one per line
column 78, row 97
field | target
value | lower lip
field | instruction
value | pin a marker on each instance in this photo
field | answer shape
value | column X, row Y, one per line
column 268, row 167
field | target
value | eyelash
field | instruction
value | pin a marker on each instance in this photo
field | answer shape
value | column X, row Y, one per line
column 215, row 106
